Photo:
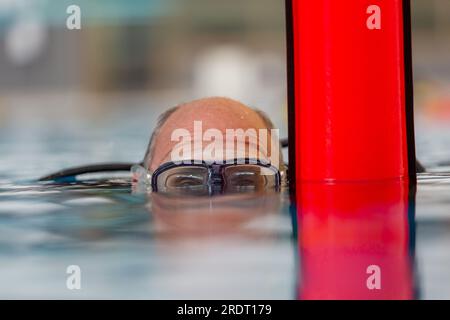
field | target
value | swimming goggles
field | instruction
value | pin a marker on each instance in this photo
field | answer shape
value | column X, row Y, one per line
column 200, row 177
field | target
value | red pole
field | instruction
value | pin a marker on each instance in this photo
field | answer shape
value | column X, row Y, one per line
column 350, row 90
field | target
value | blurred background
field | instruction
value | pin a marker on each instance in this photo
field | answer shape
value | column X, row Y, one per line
column 70, row 97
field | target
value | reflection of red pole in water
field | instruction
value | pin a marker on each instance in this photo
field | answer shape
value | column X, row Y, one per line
column 350, row 90
column 355, row 241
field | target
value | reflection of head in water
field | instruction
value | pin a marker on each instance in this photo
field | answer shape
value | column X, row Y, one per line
column 217, row 115
column 205, row 216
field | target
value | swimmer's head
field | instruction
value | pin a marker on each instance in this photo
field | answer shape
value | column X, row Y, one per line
column 188, row 132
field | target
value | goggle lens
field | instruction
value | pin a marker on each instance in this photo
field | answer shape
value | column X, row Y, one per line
column 234, row 178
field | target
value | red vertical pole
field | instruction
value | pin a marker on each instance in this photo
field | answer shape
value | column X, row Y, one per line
column 350, row 90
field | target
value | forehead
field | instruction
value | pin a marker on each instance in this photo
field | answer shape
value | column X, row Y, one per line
column 220, row 116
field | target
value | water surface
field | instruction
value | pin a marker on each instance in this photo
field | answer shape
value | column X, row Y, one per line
column 137, row 245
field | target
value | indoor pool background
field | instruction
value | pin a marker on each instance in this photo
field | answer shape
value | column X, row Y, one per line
column 72, row 97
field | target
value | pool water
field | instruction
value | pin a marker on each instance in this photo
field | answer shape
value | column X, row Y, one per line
column 130, row 244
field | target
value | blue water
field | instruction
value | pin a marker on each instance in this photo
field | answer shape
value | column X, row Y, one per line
column 133, row 245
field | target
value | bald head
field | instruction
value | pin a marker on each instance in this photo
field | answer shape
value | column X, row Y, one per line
column 214, row 113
